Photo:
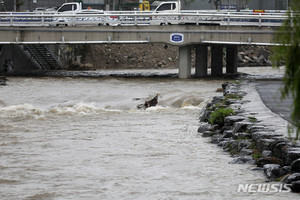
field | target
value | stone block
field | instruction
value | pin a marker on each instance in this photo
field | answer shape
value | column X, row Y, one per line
column 246, row 152
column 280, row 149
column 295, row 186
column 264, row 135
column 242, row 160
column 295, row 167
column 267, row 153
column 228, row 134
column 264, row 144
column 268, row 160
column 292, row 178
column 242, row 136
column 256, row 128
column 242, row 126
column 272, row 171
column 204, row 127
column 291, row 154
column 207, row 134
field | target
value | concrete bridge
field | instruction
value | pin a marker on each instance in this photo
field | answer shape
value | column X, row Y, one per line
column 200, row 36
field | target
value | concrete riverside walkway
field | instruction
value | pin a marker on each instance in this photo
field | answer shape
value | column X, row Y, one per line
column 270, row 93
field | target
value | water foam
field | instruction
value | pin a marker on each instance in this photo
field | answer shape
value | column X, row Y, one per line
column 83, row 108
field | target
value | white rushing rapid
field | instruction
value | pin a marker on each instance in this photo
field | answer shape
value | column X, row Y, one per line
column 81, row 138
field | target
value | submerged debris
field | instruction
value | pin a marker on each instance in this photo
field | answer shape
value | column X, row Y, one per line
column 150, row 103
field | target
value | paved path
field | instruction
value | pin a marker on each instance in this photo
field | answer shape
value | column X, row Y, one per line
column 270, row 94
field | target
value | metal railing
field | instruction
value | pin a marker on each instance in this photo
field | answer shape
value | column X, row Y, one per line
column 126, row 18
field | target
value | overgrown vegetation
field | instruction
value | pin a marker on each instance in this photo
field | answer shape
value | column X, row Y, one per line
column 233, row 151
column 252, row 119
column 233, row 96
column 218, row 116
column 253, row 145
column 289, row 50
column 256, row 155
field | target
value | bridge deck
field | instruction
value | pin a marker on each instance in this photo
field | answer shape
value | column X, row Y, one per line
column 191, row 34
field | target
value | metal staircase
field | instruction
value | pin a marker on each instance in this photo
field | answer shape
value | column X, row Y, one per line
column 44, row 56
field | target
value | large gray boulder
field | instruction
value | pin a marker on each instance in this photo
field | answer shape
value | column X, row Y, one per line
column 272, row 171
column 280, row 149
column 245, row 152
column 243, row 160
column 291, row 154
column 292, row 178
column 208, row 134
column 264, row 135
column 295, row 167
column 295, row 186
column 230, row 120
column 264, row 144
column 258, row 128
column 204, row 127
column 242, row 126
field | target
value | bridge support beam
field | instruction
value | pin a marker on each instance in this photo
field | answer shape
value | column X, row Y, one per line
column 231, row 59
column 216, row 60
column 201, row 61
column 185, row 62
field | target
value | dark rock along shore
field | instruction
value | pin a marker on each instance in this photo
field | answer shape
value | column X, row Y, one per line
column 250, row 143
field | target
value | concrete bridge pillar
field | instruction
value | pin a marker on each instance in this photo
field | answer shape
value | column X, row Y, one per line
column 216, row 60
column 201, row 60
column 185, row 62
column 231, row 59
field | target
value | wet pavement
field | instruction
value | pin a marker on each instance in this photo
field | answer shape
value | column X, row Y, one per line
column 270, row 93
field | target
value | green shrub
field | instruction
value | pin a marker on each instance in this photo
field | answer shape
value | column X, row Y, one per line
column 256, row 155
column 252, row 119
column 233, row 96
column 217, row 116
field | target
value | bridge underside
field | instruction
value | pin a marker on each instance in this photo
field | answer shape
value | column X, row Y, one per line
column 218, row 38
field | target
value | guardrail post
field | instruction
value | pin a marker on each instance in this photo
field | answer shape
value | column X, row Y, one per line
column 11, row 19
column 185, row 62
column 216, row 60
column 228, row 19
column 73, row 20
column 259, row 20
column 43, row 20
column 201, row 60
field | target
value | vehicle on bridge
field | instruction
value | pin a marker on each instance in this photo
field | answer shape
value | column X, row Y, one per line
column 90, row 17
column 72, row 7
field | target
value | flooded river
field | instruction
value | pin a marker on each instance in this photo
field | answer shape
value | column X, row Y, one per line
column 83, row 138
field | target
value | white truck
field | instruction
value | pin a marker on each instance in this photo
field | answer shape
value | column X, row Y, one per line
column 73, row 7
column 169, row 11
column 76, row 15
column 167, row 7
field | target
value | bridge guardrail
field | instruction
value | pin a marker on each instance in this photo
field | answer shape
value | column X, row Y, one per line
column 124, row 18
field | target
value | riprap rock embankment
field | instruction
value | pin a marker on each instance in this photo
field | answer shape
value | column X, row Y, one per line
column 238, row 132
